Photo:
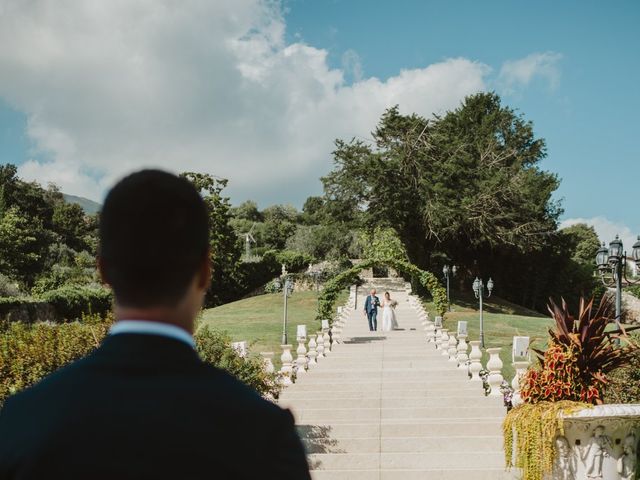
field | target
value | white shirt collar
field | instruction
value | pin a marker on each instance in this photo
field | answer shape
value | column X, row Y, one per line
column 145, row 327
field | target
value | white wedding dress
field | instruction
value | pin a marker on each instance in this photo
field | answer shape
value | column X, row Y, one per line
column 389, row 321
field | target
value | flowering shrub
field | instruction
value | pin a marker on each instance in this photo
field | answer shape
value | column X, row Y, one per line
column 580, row 354
column 572, row 375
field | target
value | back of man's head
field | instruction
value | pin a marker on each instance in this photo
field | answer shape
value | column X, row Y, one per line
column 154, row 237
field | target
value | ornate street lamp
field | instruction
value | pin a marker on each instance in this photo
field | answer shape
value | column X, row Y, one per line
column 287, row 289
column 449, row 272
column 612, row 266
column 478, row 290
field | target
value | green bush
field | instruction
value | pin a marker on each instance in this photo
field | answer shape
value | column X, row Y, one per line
column 214, row 347
column 8, row 287
column 633, row 290
column 624, row 382
column 25, row 309
column 294, row 261
column 72, row 301
column 30, row 352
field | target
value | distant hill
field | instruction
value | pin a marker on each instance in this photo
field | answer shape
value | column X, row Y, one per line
column 89, row 206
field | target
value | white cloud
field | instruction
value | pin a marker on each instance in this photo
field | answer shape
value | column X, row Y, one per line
column 516, row 74
column 109, row 87
column 606, row 230
column 352, row 65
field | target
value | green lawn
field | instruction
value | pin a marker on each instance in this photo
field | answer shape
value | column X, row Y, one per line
column 258, row 320
column 502, row 321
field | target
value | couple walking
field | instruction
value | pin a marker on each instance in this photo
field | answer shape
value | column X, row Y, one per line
column 371, row 305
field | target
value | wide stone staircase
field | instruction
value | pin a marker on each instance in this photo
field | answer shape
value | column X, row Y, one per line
column 388, row 405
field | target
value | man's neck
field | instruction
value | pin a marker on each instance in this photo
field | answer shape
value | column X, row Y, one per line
column 165, row 315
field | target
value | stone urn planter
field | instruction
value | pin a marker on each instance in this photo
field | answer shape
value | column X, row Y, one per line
column 599, row 442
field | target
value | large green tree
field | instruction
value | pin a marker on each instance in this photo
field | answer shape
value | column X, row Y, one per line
column 465, row 186
column 225, row 249
column 461, row 182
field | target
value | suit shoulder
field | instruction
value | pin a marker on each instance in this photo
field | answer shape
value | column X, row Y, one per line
column 234, row 390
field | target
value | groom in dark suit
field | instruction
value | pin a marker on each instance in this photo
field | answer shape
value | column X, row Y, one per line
column 143, row 405
column 371, row 305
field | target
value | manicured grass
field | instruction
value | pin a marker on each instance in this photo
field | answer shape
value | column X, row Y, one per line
column 502, row 321
column 258, row 320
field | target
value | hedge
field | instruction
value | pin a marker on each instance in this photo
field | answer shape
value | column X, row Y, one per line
column 66, row 303
column 30, row 352
column 71, row 302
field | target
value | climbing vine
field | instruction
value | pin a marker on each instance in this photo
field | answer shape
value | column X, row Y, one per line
column 333, row 287
column 533, row 428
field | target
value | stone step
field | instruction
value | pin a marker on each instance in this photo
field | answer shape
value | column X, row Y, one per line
column 405, row 461
column 405, row 387
column 395, row 402
column 377, row 414
column 442, row 374
column 449, row 444
column 421, row 428
column 448, row 474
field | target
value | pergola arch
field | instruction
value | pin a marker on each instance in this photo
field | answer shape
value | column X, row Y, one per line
column 332, row 288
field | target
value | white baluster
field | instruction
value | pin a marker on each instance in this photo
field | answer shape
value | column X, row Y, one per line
column 287, row 365
column 475, row 356
column 494, row 365
column 313, row 353
column 444, row 345
column 320, row 347
column 462, row 357
column 521, row 370
column 327, row 342
column 453, row 350
column 438, row 336
column 431, row 332
column 268, row 363
column 302, row 360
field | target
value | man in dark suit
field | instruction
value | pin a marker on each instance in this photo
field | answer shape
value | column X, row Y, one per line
column 371, row 305
column 143, row 405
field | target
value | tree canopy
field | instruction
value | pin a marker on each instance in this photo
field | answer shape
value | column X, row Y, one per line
column 464, row 187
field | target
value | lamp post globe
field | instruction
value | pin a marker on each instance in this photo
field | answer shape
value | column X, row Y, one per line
column 602, row 257
column 615, row 250
column 476, row 286
column 635, row 252
column 454, row 269
column 445, row 270
column 490, row 285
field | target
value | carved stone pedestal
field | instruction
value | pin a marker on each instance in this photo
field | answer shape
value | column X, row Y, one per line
column 599, row 443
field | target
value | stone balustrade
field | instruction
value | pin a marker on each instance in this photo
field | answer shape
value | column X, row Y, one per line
column 494, row 365
column 462, row 358
column 287, row 365
column 302, row 361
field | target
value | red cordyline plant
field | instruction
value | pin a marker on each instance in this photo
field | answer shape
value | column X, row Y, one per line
column 582, row 351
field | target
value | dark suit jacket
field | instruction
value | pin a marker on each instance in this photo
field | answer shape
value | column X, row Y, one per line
column 146, row 407
column 371, row 303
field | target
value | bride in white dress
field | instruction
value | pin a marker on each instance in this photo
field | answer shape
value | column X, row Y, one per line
column 389, row 313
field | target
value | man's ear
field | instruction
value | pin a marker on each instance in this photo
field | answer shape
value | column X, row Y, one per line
column 204, row 275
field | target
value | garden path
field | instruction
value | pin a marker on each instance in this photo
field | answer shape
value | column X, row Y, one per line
column 387, row 405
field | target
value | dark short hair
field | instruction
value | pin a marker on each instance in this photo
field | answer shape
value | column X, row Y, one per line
column 154, row 235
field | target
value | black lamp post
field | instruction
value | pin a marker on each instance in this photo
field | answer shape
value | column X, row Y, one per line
column 449, row 272
column 478, row 290
column 287, row 288
column 612, row 266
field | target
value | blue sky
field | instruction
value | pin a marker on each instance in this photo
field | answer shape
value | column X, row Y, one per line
column 256, row 92
column 590, row 119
